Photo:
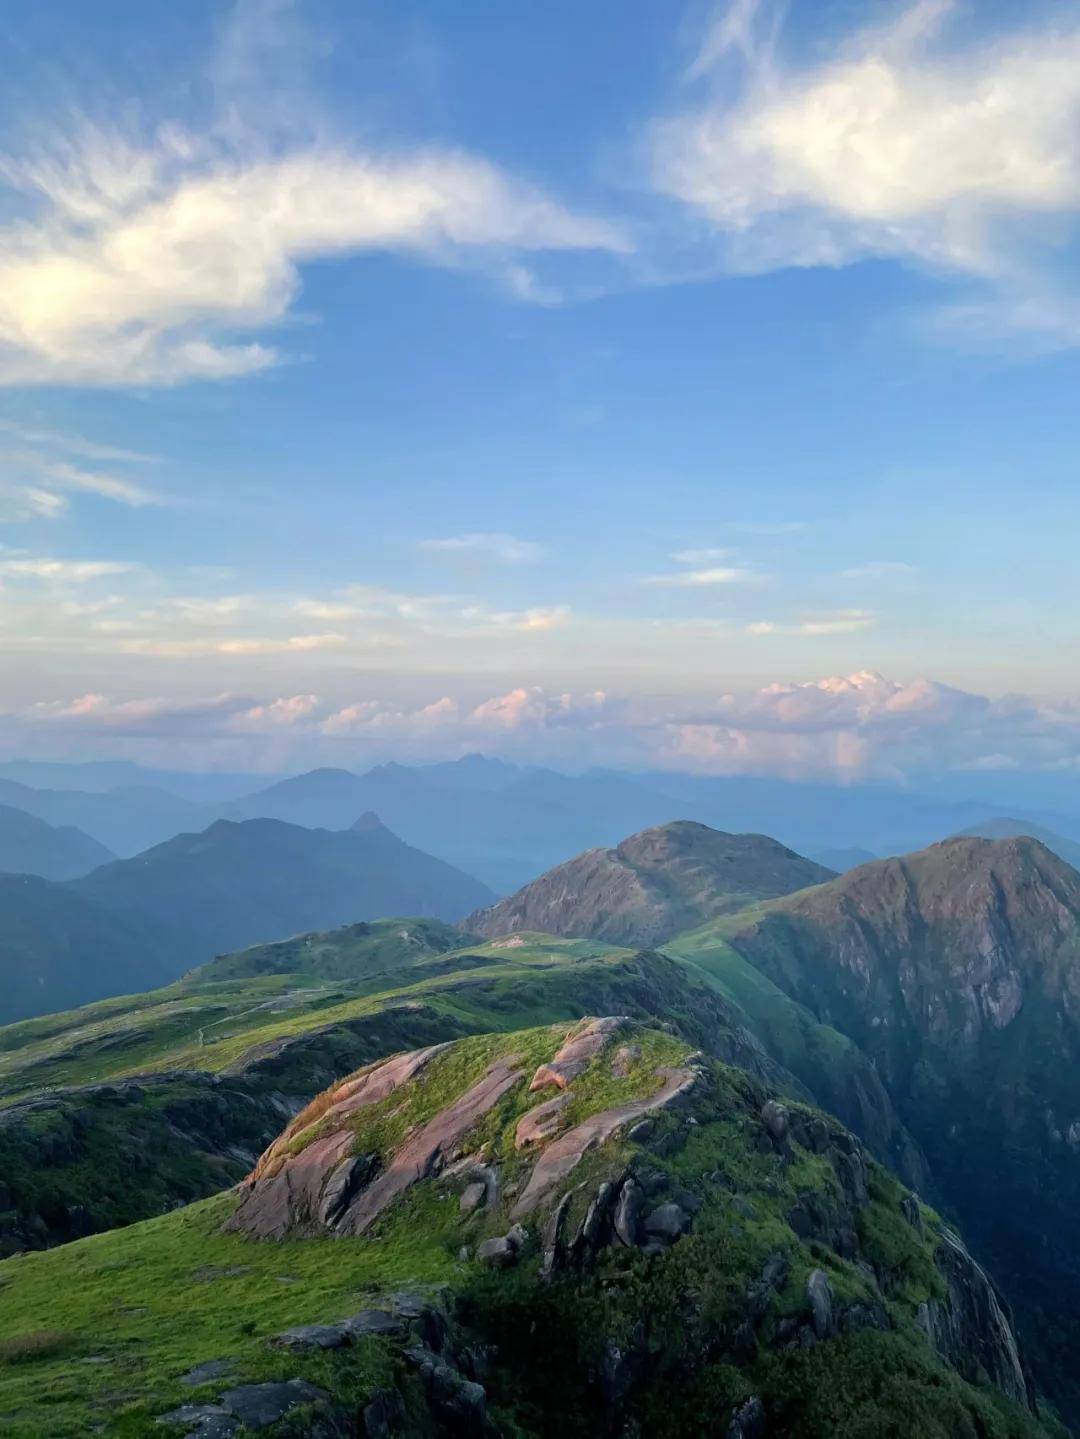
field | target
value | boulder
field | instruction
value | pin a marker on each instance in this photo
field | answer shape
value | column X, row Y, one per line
column 497, row 1253
column 776, row 1118
column 668, row 1222
column 627, row 1210
column 472, row 1196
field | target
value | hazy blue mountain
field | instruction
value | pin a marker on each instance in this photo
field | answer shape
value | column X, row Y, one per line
column 100, row 776
column 30, row 846
column 1005, row 828
column 141, row 922
column 125, row 820
column 841, row 860
column 504, row 823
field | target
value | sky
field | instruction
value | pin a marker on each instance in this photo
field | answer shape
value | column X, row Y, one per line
column 662, row 386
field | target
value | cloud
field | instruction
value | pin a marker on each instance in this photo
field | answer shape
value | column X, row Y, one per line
column 240, row 645
column 146, row 264
column 834, row 622
column 62, row 475
column 74, row 444
column 704, row 579
column 700, row 557
column 506, row 549
column 961, row 157
column 851, row 727
column 64, row 571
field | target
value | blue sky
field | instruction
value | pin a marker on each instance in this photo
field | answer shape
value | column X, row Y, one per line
column 655, row 385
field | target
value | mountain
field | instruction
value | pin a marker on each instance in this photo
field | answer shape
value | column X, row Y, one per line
column 505, row 823
column 237, row 884
column 1066, row 849
column 30, row 846
column 125, row 820
column 101, row 776
column 957, row 970
column 841, row 860
column 143, row 921
column 652, row 885
column 579, row 1229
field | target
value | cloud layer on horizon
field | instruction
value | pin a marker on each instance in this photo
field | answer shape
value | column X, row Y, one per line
column 843, row 728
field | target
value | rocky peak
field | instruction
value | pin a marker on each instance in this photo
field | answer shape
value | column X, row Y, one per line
column 671, row 877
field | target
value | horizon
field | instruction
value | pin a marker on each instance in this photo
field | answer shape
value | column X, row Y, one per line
column 374, row 386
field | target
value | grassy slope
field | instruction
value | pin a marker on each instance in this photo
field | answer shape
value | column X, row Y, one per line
column 121, row 1316
column 206, row 1022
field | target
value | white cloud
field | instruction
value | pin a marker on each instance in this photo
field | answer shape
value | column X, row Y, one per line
column 964, row 157
column 140, row 265
column 700, row 557
column 64, row 571
column 240, row 645
column 703, row 579
column 834, row 622
column 74, row 444
column 507, row 549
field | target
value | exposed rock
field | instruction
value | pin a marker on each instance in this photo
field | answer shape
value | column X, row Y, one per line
column 627, row 1210
column 257, row 1406
column 541, row 1123
column 563, row 1155
column 748, row 1421
column 472, row 1196
column 580, row 1048
column 668, row 1222
column 820, row 1297
column 286, row 1192
column 204, row 1421
column 458, row 1404
column 623, row 1059
column 777, row 1119
column 972, row 1329
column 498, row 1253
column 207, row 1373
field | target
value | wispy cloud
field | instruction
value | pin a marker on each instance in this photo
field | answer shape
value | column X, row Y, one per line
column 704, row 579
column 144, row 261
column 904, row 144
column 834, row 622
column 506, row 549
column 64, row 571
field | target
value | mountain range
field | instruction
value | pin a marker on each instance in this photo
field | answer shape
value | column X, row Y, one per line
column 143, row 921
column 508, row 823
column 930, row 1003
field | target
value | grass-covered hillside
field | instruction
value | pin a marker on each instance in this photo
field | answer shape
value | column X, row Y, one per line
column 572, row 1229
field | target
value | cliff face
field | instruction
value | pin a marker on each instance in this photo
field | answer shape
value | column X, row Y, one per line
column 651, row 886
column 958, row 971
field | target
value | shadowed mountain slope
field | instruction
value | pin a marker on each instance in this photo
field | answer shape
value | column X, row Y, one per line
column 652, row 886
column 30, row 846
column 957, row 970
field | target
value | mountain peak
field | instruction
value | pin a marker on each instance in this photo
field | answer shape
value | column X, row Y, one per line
column 661, row 880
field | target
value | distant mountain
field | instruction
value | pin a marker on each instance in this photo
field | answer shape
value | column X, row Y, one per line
column 59, row 949
column 242, row 883
column 141, row 922
column 841, row 860
column 1066, row 849
column 101, row 776
column 957, row 970
column 652, row 885
column 125, row 820
column 505, row 823
column 30, row 846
